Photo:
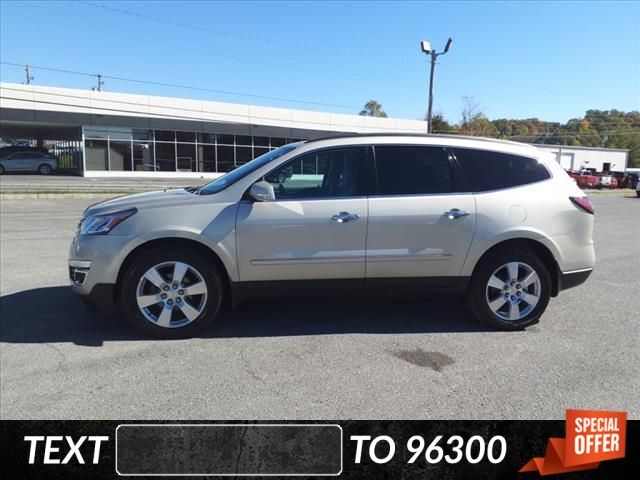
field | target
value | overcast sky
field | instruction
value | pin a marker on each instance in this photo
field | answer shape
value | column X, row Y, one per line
column 550, row 60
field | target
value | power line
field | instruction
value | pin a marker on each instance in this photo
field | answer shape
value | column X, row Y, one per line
column 242, row 35
column 175, row 85
column 243, row 57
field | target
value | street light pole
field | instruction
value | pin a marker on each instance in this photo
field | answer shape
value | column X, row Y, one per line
column 426, row 48
column 430, row 110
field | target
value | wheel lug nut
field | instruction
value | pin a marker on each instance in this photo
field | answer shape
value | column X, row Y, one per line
column 519, row 293
column 170, row 302
column 178, row 300
column 513, row 297
column 165, row 288
column 174, row 286
column 180, row 292
column 163, row 296
column 518, row 286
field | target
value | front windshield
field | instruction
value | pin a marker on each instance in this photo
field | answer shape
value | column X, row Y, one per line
column 233, row 176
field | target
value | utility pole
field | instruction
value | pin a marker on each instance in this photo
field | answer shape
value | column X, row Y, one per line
column 100, row 83
column 29, row 77
column 426, row 48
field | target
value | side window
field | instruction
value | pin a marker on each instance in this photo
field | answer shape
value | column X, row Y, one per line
column 325, row 174
column 410, row 170
column 484, row 170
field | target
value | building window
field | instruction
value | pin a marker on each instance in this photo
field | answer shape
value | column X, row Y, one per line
column 96, row 155
column 243, row 155
column 186, row 137
column 186, row 160
column 96, row 132
column 119, row 156
column 120, row 134
column 243, row 140
column 206, row 158
column 143, row 157
column 226, row 160
column 226, row 139
column 165, row 156
column 142, row 134
column 257, row 151
column 260, row 141
column 206, row 138
column 165, row 136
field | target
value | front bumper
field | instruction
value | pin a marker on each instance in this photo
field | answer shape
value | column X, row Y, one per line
column 94, row 264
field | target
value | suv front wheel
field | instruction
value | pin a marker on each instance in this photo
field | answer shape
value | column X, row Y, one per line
column 167, row 294
column 510, row 289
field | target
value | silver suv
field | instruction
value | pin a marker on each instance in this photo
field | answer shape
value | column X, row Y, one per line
column 497, row 221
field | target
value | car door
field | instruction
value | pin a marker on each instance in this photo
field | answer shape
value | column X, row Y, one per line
column 32, row 160
column 13, row 162
column 316, row 228
column 419, row 227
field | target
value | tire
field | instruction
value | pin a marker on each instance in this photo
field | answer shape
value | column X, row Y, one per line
column 44, row 169
column 168, row 318
column 521, row 299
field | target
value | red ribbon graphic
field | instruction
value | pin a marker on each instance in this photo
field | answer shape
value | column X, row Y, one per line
column 592, row 436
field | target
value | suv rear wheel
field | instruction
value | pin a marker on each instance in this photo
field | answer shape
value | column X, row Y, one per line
column 510, row 289
column 171, row 295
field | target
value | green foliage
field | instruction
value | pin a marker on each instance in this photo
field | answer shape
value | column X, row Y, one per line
column 373, row 109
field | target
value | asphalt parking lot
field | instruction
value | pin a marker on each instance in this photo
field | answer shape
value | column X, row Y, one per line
column 314, row 359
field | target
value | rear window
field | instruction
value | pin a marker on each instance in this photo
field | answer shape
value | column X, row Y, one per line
column 411, row 170
column 484, row 170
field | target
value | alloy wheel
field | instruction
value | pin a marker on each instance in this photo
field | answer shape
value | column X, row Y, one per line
column 171, row 294
column 513, row 291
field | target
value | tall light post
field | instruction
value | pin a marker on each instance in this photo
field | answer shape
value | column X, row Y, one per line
column 426, row 48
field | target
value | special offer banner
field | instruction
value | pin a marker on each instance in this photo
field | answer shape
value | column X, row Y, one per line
column 591, row 437
column 587, row 445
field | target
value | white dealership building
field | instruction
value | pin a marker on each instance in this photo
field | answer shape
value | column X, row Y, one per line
column 116, row 134
column 99, row 133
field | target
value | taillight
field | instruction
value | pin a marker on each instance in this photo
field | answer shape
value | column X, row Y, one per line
column 584, row 203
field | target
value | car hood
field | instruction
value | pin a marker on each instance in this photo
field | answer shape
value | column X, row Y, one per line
column 142, row 200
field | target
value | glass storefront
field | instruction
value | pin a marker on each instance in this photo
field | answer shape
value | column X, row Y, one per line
column 121, row 149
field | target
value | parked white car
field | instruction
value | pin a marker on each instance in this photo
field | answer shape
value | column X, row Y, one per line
column 499, row 222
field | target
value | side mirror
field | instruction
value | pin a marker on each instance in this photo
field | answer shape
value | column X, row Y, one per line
column 262, row 192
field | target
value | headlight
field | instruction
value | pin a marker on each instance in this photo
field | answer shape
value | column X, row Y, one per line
column 103, row 223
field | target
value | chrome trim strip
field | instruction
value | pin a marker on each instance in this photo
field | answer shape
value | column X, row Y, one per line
column 306, row 260
column 80, row 263
column 578, row 271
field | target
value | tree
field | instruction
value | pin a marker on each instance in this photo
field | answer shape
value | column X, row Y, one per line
column 373, row 109
column 473, row 121
column 470, row 112
column 439, row 124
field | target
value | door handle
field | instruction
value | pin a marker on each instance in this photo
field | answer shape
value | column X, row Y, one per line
column 456, row 213
column 344, row 217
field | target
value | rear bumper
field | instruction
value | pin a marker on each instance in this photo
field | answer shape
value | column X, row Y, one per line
column 573, row 279
column 101, row 297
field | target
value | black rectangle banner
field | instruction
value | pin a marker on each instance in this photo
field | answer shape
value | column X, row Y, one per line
column 404, row 450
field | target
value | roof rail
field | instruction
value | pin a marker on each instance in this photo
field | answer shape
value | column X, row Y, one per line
column 421, row 135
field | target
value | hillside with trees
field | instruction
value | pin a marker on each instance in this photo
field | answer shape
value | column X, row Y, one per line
column 598, row 128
